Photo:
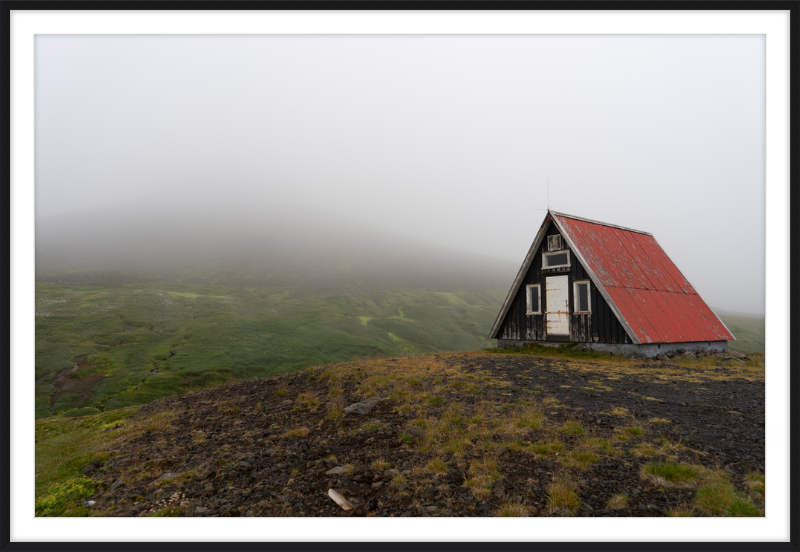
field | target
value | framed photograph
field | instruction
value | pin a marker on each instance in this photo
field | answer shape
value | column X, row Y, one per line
column 384, row 274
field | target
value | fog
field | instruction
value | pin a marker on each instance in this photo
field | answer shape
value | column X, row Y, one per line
column 399, row 157
column 307, row 252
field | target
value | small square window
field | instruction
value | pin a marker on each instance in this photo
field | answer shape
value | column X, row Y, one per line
column 533, row 299
column 556, row 260
column 582, row 297
column 554, row 243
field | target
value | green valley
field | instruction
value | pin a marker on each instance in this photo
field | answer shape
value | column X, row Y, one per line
column 106, row 347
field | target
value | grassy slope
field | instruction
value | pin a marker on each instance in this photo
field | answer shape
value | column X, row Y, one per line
column 748, row 331
column 203, row 335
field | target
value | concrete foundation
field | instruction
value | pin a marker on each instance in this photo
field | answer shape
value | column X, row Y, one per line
column 645, row 349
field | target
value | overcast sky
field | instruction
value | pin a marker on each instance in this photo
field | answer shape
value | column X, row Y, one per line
column 448, row 140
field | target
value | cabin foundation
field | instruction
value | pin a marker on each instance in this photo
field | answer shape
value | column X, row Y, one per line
column 653, row 349
column 645, row 349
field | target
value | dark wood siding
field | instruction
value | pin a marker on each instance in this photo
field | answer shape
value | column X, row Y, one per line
column 601, row 321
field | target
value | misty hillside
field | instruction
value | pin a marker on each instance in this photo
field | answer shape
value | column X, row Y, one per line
column 253, row 246
column 157, row 299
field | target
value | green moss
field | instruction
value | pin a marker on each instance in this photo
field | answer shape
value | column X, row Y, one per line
column 66, row 498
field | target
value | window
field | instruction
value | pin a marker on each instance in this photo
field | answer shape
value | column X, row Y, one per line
column 555, row 260
column 582, row 296
column 534, row 298
column 554, row 243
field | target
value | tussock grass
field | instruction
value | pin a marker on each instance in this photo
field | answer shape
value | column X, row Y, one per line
column 718, row 497
column 481, row 475
column 757, row 484
column 645, row 449
column 373, row 425
column 552, row 402
column 668, row 447
column 380, row 464
column 680, row 511
column 580, row 458
column 309, row 400
column 562, row 497
column 295, row 432
column 529, row 418
column 617, row 502
column 456, row 446
column 547, row 447
column 715, row 494
column 398, row 480
column 330, row 375
column 512, row 509
column 436, row 466
column 335, row 410
column 666, row 474
column 599, row 445
column 571, row 427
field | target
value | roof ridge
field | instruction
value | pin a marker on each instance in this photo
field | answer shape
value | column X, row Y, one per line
column 565, row 215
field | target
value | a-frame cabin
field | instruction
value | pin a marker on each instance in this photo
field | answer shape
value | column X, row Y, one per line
column 610, row 287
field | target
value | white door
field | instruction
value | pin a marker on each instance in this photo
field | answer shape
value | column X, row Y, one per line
column 557, row 313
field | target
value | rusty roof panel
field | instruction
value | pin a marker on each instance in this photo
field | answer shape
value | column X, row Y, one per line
column 656, row 301
column 637, row 321
column 599, row 247
column 671, row 277
column 660, row 316
column 636, row 259
column 664, row 317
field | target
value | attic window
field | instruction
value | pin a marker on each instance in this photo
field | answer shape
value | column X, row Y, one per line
column 554, row 243
column 533, row 299
column 583, row 301
column 556, row 260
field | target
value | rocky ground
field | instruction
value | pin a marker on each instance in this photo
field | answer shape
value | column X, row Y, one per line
column 474, row 434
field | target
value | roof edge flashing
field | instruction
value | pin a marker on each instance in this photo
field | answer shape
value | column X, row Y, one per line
column 565, row 215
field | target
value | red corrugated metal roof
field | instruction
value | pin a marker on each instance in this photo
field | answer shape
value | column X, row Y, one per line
column 658, row 303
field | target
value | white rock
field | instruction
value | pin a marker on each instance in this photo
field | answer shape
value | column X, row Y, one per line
column 340, row 500
column 363, row 407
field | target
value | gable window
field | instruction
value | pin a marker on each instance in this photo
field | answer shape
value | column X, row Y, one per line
column 534, row 298
column 555, row 260
column 582, row 301
column 554, row 243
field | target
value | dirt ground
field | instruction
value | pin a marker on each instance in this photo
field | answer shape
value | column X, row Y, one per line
column 473, row 434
